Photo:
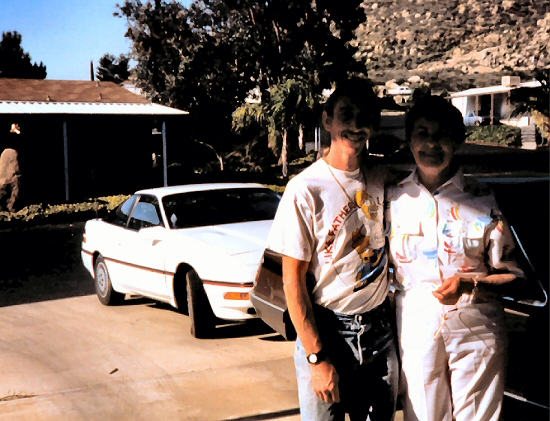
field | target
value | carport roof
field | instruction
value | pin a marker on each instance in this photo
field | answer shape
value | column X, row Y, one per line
column 494, row 89
column 31, row 107
column 32, row 96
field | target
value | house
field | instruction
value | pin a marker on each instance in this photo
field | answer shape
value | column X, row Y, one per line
column 492, row 105
column 81, row 139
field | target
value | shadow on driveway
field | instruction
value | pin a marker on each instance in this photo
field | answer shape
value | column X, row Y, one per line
column 42, row 263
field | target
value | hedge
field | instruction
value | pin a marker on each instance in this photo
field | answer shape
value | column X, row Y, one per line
column 58, row 214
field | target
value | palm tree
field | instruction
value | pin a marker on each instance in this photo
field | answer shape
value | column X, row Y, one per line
column 284, row 111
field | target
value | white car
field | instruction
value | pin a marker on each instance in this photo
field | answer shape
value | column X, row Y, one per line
column 196, row 247
column 472, row 119
column 400, row 90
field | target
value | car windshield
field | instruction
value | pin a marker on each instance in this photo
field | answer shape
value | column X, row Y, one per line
column 216, row 207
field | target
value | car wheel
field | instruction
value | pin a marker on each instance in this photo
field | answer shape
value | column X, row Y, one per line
column 103, row 287
column 202, row 318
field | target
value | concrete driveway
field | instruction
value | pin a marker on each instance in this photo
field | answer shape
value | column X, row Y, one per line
column 64, row 356
column 73, row 359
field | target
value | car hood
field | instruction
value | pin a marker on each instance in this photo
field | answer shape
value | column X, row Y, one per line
column 233, row 239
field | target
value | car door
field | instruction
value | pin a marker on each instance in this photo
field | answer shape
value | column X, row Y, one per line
column 112, row 234
column 524, row 203
column 143, row 249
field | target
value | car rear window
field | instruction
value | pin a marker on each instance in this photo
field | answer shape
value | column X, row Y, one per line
column 216, row 207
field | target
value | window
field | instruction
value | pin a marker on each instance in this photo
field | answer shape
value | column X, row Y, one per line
column 215, row 207
column 120, row 216
column 146, row 213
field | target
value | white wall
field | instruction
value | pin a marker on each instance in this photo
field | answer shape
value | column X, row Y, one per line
column 461, row 103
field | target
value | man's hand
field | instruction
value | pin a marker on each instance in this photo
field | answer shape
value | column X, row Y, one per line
column 325, row 382
column 449, row 292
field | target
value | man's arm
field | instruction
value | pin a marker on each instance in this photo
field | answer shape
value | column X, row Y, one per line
column 300, row 309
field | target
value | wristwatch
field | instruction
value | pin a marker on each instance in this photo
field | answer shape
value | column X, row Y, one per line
column 316, row 357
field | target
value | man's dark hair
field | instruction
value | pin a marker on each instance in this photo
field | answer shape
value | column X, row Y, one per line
column 360, row 93
column 437, row 108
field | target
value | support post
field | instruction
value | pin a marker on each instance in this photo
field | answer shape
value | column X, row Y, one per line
column 66, row 160
column 164, row 159
column 317, row 139
column 492, row 109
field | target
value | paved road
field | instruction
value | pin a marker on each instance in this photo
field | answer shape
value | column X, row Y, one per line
column 74, row 359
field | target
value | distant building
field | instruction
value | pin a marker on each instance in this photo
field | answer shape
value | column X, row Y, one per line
column 82, row 139
column 492, row 103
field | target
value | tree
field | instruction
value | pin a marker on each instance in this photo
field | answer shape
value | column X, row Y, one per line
column 113, row 69
column 206, row 59
column 225, row 48
column 14, row 62
column 312, row 42
column 285, row 109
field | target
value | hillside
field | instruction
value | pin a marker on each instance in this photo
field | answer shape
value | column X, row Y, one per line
column 454, row 44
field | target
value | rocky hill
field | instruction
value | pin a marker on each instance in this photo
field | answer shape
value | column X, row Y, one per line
column 454, row 44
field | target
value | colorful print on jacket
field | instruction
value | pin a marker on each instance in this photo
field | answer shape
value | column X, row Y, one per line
column 456, row 230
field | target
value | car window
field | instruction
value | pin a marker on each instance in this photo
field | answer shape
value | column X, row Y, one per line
column 215, row 207
column 145, row 214
column 121, row 215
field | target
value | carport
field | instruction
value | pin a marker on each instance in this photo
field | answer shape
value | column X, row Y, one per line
column 82, row 138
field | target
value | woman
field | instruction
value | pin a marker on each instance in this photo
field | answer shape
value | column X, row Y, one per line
column 449, row 244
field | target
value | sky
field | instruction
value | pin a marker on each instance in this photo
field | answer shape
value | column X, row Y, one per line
column 65, row 35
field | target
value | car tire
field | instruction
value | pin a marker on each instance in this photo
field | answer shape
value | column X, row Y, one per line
column 103, row 287
column 203, row 321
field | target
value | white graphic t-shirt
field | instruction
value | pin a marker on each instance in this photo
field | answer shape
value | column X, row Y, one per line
column 334, row 220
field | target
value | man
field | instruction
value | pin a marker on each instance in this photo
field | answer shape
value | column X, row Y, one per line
column 329, row 227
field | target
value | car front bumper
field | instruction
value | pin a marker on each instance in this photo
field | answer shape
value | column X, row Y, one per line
column 230, row 301
column 87, row 261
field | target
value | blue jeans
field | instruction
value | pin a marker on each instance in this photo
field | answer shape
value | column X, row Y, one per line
column 368, row 385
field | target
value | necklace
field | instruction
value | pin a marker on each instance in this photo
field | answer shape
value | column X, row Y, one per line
column 341, row 186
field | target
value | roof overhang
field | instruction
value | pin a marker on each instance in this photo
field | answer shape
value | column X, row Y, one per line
column 87, row 108
column 494, row 89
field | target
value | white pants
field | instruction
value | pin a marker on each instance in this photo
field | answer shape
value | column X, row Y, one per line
column 452, row 369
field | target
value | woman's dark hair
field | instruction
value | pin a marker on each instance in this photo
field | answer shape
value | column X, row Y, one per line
column 437, row 108
column 360, row 92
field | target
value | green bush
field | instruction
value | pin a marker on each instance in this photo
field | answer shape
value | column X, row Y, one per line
column 500, row 135
column 64, row 213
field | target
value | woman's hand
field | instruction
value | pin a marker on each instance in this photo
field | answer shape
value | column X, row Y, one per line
column 325, row 382
column 449, row 292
